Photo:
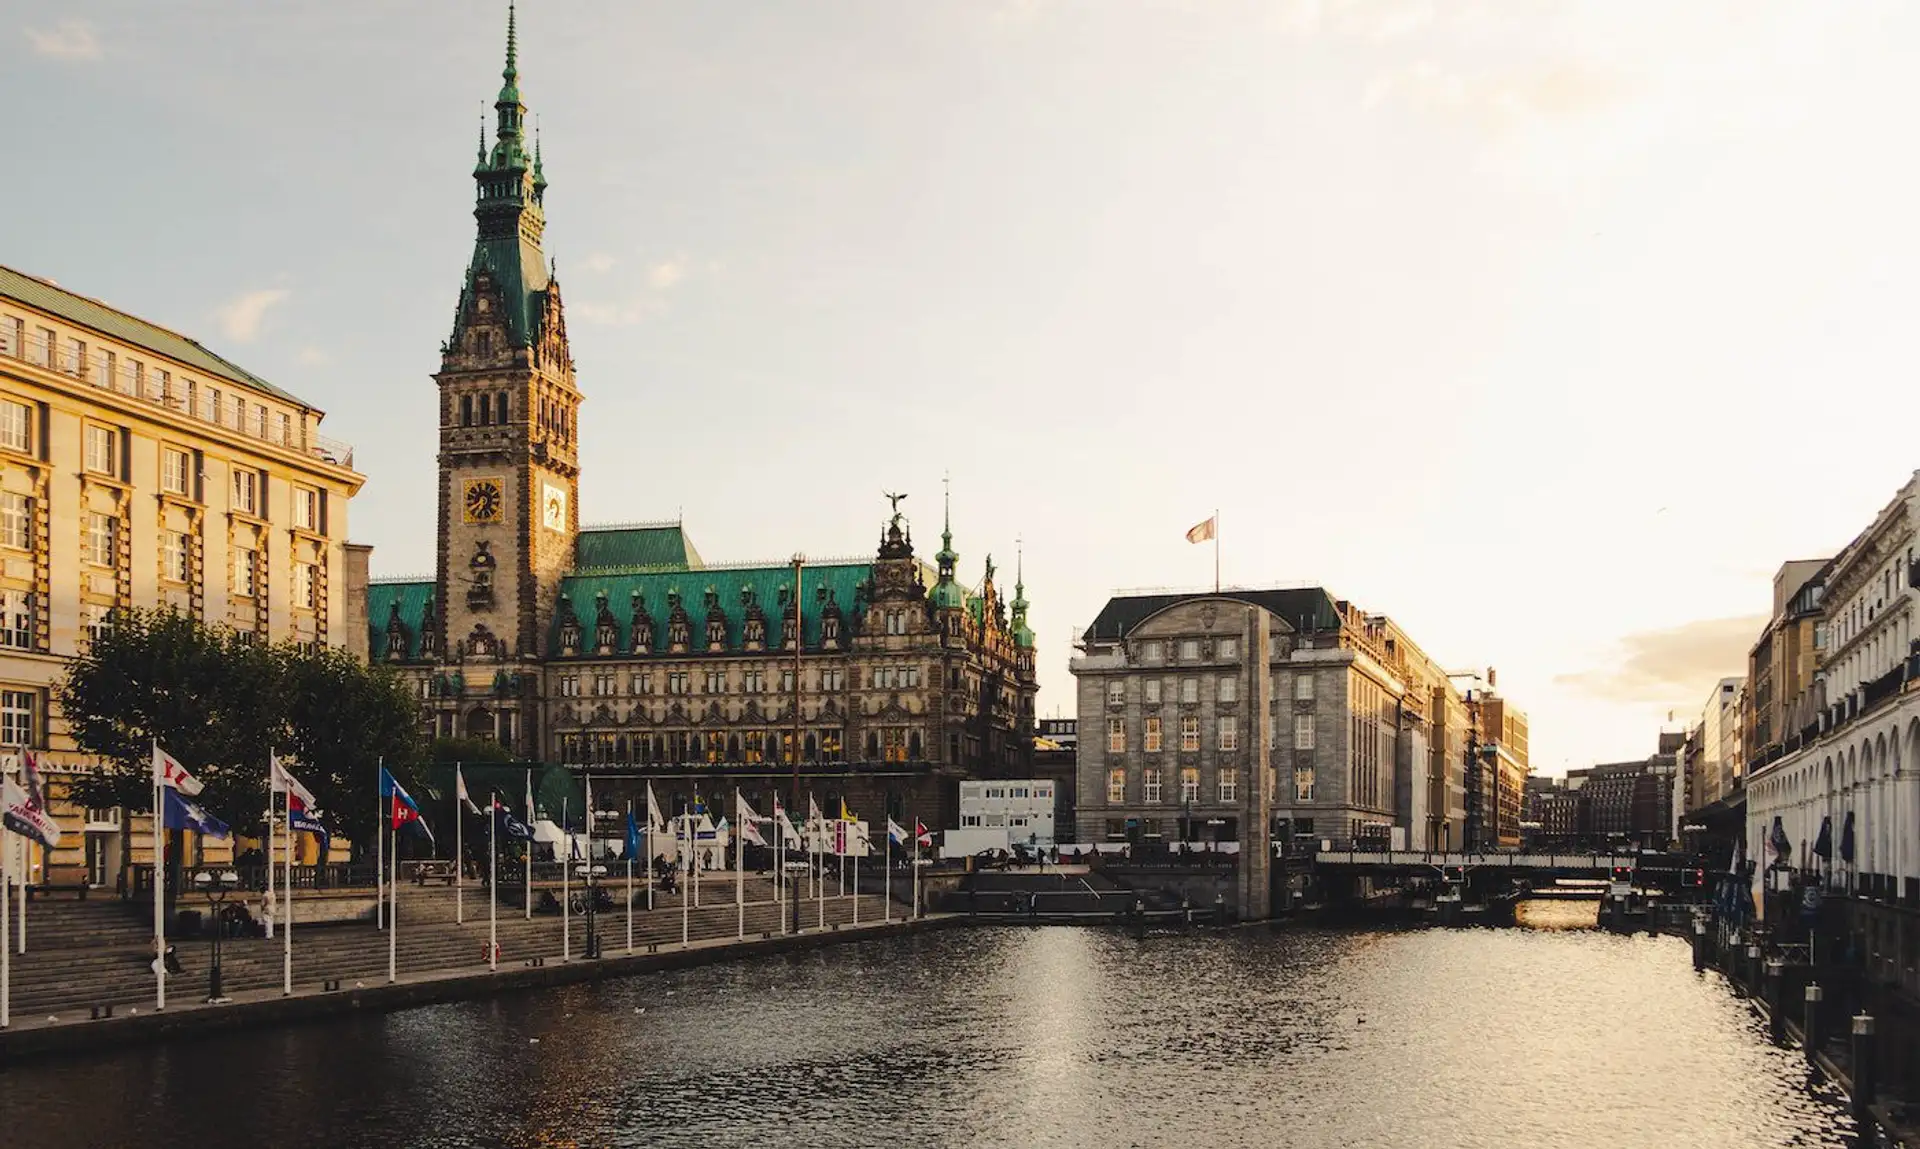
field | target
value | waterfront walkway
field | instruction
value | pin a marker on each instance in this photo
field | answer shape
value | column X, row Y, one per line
column 88, row 956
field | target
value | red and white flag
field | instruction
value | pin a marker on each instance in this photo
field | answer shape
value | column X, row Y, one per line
column 280, row 781
column 1201, row 532
column 167, row 771
column 921, row 834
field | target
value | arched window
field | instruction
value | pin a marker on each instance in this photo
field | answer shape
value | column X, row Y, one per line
column 466, row 410
column 503, row 407
column 486, row 408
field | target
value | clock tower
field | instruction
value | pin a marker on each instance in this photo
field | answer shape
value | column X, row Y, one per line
column 509, row 421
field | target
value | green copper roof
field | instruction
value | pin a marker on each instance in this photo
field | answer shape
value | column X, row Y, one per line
column 413, row 598
column 948, row 595
column 661, row 545
column 765, row 582
column 94, row 315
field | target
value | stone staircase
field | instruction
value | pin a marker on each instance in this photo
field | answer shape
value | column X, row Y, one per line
column 100, row 953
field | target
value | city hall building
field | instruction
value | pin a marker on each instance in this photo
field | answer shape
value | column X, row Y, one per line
column 621, row 650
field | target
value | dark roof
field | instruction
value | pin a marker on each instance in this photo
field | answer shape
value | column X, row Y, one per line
column 1311, row 607
column 94, row 315
column 657, row 546
column 765, row 583
column 412, row 597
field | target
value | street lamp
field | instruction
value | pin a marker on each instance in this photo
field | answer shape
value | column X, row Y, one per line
column 589, row 872
column 216, row 887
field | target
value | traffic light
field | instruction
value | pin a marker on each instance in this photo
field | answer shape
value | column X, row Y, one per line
column 1623, row 873
column 1696, row 878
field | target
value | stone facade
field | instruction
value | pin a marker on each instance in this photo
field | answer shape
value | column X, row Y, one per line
column 139, row 469
column 877, row 680
column 1360, row 736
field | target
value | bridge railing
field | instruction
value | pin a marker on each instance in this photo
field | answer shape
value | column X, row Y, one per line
column 1596, row 863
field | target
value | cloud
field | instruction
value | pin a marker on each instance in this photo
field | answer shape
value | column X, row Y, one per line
column 68, row 40
column 665, row 275
column 240, row 318
column 599, row 261
column 1355, row 19
column 620, row 312
column 1567, row 88
column 313, row 356
column 1679, row 664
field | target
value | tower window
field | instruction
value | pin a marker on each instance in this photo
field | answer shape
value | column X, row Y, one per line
column 486, row 408
column 466, row 410
column 503, row 407
column 483, row 341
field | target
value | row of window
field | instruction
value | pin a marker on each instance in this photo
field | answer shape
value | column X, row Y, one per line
column 106, row 453
column 99, row 547
column 1155, row 691
column 1226, row 785
column 887, row 744
column 127, row 376
column 1227, row 733
column 607, row 684
column 1154, row 651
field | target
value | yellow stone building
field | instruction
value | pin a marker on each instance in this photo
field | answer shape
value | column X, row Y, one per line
column 140, row 469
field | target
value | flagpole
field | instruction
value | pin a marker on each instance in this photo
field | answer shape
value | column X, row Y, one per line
column 493, row 887
column 1216, row 550
column 459, row 849
column 686, row 881
column 6, row 946
column 527, row 850
column 820, row 884
column 630, row 882
column 393, row 891
column 779, row 863
column 887, row 910
column 286, row 925
column 380, row 852
column 566, row 863
column 739, row 869
column 648, row 840
column 916, row 867
column 853, row 843
column 159, row 891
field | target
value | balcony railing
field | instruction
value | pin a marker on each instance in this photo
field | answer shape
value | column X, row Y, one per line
column 161, row 389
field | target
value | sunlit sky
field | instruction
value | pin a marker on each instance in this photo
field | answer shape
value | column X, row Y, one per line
column 1549, row 330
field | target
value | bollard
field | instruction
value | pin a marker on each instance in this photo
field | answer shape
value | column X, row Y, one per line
column 1776, row 1008
column 1699, row 946
column 1812, row 1023
column 1751, row 973
column 1219, row 909
column 1865, row 1071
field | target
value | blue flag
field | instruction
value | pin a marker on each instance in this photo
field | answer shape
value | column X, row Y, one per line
column 633, row 837
column 508, row 825
column 183, row 813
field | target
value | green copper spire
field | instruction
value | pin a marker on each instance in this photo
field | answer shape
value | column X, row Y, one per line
column 1022, row 633
column 947, row 593
column 508, row 206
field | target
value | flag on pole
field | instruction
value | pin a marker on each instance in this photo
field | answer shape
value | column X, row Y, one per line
column 509, row 825
column 747, row 813
column 655, row 823
column 633, row 836
column 302, row 811
column 404, row 811
column 168, row 772
column 896, row 833
column 280, row 781
column 1201, row 532
column 749, row 821
column 182, row 814
column 26, row 805
column 921, row 835
column 460, row 790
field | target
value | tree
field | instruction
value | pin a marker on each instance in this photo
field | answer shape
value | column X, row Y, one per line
column 447, row 751
column 220, row 703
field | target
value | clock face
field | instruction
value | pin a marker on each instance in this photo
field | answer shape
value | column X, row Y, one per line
column 482, row 501
column 553, row 507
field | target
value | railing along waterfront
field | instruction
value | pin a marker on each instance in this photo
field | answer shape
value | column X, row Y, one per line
column 253, row 876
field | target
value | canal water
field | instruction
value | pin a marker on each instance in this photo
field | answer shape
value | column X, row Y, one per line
column 1538, row 1036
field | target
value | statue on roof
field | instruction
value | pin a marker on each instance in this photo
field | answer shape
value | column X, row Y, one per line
column 895, row 501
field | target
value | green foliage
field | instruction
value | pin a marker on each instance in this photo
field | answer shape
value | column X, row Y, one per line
column 219, row 703
column 446, row 751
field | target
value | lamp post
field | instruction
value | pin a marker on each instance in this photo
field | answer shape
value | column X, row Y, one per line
column 216, row 887
column 588, row 871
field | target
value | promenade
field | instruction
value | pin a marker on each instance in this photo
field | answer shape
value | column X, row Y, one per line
column 87, row 956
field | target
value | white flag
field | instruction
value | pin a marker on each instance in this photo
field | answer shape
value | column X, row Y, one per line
column 655, row 823
column 280, row 781
column 751, row 833
column 1201, row 532
column 459, row 790
column 747, row 813
column 167, row 771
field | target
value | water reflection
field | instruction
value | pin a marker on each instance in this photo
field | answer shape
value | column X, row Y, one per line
column 1549, row 1035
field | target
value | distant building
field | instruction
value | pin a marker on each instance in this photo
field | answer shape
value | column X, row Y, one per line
column 1628, row 800
column 1556, row 816
column 1010, row 812
column 1055, row 759
column 1715, row 762
column 1783, row 663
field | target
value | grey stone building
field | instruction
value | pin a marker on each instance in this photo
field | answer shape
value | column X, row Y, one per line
column 1263, row 715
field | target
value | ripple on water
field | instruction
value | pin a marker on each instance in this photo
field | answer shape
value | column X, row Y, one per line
column 1548, row 1036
